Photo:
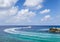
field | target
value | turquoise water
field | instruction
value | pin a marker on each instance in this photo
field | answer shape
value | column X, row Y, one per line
column 28, row 34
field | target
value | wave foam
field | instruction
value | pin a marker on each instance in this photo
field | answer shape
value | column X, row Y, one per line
column 13, row 31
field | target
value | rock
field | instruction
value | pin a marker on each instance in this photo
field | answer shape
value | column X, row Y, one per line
column 57, row 30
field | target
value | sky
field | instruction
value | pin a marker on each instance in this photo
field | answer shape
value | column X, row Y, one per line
column 29, row 12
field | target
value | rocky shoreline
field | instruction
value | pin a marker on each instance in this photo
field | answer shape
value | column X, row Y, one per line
column 57, row 30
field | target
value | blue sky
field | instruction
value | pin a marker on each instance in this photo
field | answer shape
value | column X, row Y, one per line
column 29, row 12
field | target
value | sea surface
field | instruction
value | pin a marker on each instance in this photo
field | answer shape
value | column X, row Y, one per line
column 28, row 34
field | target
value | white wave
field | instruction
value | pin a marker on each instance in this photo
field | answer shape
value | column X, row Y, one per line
column 11, row 30
column 14, row 31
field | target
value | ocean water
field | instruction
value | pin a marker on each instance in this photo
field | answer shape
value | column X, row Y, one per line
column 28, row 34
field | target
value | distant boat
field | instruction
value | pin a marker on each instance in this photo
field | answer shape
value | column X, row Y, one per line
column 57, row 30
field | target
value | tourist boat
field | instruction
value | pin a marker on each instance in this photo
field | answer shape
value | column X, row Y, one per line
column 57, row 30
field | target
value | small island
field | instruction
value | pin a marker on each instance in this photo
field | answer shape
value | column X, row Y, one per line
column 57, row 30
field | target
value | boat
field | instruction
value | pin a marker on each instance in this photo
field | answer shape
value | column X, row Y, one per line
column 57, row 30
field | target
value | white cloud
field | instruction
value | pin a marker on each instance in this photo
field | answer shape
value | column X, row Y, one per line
column 46, row 18
column 7, row 3
column 4, row 14
column 39, row 7
column 33, row 3
column 45, row 11
column 13, row 14
column 22, row 15
column 25, row 14
column 12, row 11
